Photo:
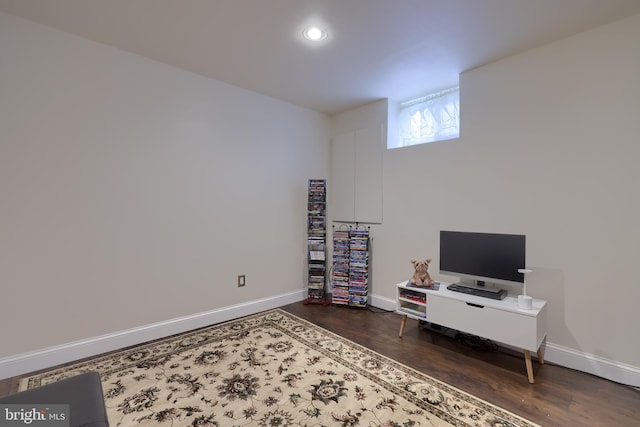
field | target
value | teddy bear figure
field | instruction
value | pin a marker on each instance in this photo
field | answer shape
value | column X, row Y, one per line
column 421, row 275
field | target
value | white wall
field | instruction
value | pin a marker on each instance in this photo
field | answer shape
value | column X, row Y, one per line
column 548, row 148
column 564, row 121
column 132, row 192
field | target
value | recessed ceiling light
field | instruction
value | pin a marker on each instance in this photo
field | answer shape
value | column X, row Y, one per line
column 314, row 34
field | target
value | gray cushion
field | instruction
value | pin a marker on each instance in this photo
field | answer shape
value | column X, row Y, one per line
column 83, row 393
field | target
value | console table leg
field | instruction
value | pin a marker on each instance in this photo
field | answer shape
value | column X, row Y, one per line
column 527, row 361
column 402, row 325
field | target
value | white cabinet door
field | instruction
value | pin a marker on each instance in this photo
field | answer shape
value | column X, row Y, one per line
column 368, row 175
column 356, row 176
column 511, row 327
column 343, row 160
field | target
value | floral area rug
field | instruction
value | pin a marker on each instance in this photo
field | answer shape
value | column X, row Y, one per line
column 273, row 369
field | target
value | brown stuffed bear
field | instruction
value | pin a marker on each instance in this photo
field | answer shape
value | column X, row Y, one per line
column 421, row 275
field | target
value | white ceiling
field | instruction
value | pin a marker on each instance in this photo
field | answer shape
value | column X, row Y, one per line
column 376, row 49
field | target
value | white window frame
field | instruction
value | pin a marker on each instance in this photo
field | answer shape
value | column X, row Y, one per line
column 435, row 117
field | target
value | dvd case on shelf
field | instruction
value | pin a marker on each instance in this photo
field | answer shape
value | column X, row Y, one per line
column 316, row 243
column 340, row 275
column 350, row 268
column 359, row 266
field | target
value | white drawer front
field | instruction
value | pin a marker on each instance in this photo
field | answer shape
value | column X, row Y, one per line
column 502, row 326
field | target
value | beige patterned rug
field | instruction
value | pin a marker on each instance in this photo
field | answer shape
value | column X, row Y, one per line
column 273, row 369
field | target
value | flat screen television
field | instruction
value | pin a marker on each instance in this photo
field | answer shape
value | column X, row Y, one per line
column 483, row 257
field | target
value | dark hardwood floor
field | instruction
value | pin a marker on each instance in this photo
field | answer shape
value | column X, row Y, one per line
column 559, row 397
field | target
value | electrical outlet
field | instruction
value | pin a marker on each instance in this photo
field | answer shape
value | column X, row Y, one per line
column 241, row 280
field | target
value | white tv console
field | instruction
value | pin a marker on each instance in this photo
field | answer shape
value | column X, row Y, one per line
column 497, row 320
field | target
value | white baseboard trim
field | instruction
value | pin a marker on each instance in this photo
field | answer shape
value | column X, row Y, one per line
column 40, row 359
column 383, row 302
column 595, row 365
column 566, row 357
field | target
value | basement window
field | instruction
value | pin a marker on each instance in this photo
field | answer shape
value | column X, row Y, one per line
column 435, row 117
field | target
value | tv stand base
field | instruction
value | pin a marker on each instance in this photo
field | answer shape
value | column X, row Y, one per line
column 501, row 321
column 527, row 353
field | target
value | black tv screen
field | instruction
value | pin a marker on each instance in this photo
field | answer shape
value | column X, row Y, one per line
column 489, row 257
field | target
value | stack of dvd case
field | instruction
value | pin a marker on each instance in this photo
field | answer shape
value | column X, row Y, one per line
column 359, row 266
column 316, row 233
column 340, row 276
